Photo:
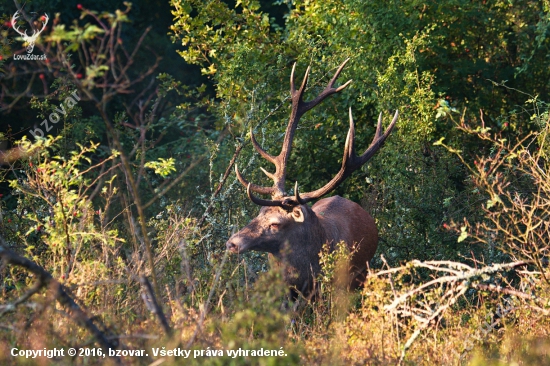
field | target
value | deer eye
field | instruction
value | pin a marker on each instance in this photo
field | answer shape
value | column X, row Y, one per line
column 274, row 226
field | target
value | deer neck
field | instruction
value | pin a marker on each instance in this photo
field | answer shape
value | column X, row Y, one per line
column 300, row 255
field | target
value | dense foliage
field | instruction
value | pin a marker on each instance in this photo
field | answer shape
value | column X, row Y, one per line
column 133, row 191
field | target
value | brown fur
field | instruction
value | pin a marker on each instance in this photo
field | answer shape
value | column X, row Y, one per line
column 295, row 238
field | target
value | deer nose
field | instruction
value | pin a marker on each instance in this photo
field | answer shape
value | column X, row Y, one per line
column 232, row 246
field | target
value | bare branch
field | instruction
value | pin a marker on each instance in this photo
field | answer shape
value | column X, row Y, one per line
column 153, row 305
column 60, row 294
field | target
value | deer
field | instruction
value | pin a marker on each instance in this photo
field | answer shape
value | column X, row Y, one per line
column 292, row 232
column 30, row 40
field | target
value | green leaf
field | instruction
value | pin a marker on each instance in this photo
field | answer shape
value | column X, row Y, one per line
column 439, row 142
column 162, row 167
column 463, row 234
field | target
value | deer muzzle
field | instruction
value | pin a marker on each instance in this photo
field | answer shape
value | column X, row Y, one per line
column 234, row 245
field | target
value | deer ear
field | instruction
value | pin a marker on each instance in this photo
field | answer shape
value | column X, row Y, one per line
column 298, row 214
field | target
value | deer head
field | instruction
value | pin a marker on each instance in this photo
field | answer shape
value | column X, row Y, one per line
column 30, row 40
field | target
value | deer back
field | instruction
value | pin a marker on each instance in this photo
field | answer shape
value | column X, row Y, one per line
column 344, row 220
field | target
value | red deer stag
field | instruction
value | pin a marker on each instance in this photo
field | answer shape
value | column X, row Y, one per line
column 293, row 232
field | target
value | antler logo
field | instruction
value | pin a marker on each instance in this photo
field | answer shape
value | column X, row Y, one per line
column 29, row 40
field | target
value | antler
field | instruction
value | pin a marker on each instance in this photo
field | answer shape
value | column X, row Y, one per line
column 299, row 107
column 44, row 23
column 350, row 161
column 14, row 24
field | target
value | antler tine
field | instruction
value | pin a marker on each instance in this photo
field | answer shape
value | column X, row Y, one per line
column 350, row 161
column 378, row 126
column 378, row 139
column 260, row 201
column 336, row 74
column 254, row 187
column 14, row 19
column 269, row 175
column 298, row 95
column 259, row 149
column 297, row 195
column 292, row 85
column 44, row 23
column 349, row 147
column 304, row 82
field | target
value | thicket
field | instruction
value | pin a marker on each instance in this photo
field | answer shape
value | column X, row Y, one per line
column 113, row 229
